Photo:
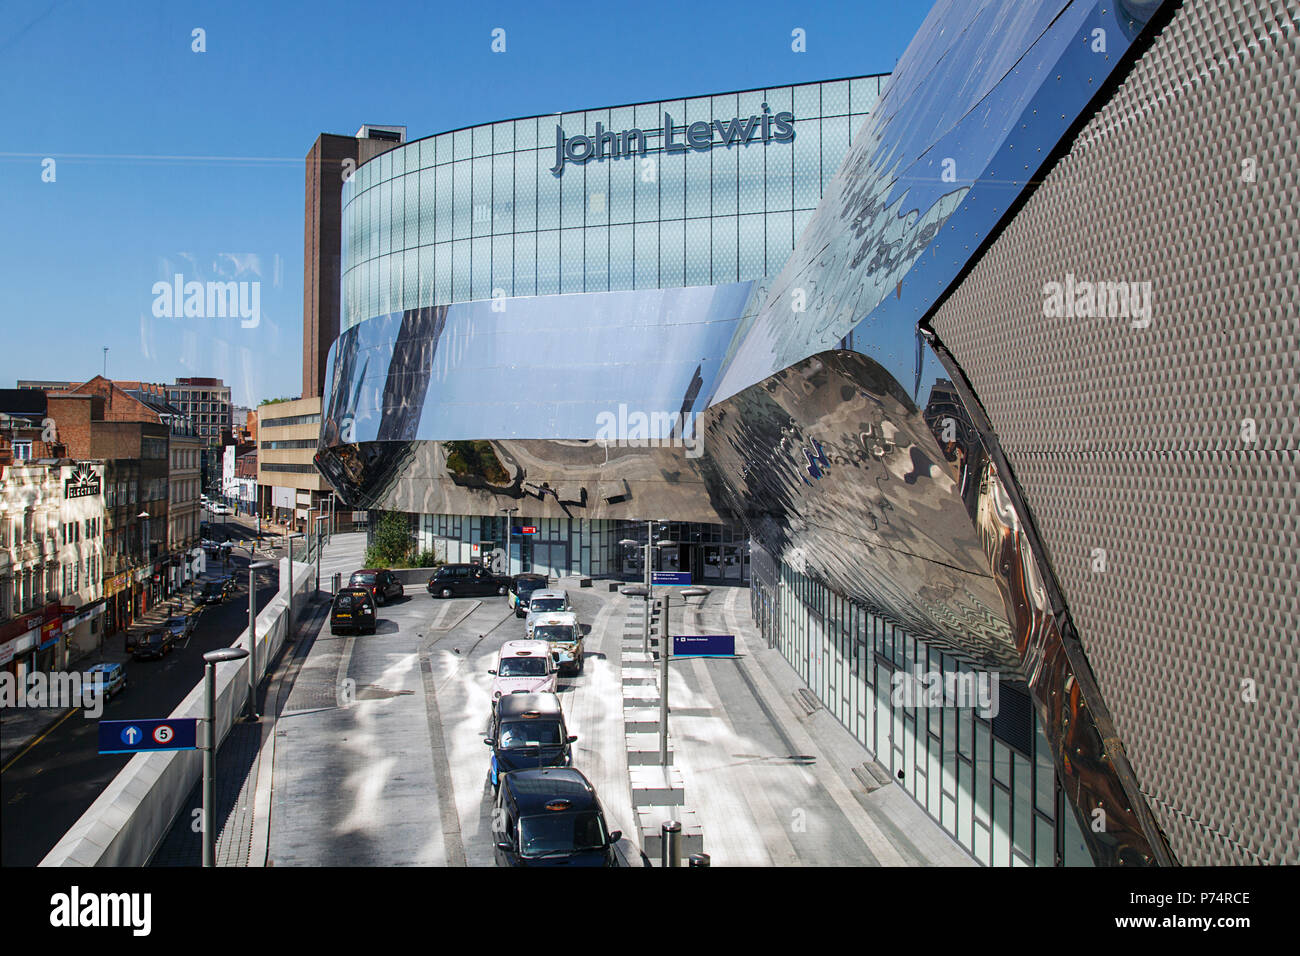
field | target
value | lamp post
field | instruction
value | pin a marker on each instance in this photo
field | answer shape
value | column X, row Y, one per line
column 510, row 521
column 320, row 537
column 210, row 661
column 253, row 568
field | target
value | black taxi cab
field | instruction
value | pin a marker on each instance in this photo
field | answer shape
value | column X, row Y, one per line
column 353, row 610
column 551, row 817
column 527, row 731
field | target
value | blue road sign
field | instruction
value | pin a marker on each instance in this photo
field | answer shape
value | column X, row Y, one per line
column 671, row 579
column 704, row 645
column 143, row 736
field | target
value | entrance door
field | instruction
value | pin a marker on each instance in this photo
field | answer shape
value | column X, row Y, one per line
column 551, row 558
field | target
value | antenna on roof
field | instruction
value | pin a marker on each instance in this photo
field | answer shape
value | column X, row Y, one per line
column 105, row 361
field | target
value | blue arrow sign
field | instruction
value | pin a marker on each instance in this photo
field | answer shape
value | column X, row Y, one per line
column 145, row 736
column 671, row 579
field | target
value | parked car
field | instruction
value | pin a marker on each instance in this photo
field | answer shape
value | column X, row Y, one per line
column 220, row 509
column 181, row 626
column 546, row 601
column 381, row 583
column 552, row 817
column 153, row 644
column 563, row 633
column 466, row 580
column 523, row 667
column 111, row 676
column 522, row 587
column 527, row 731
column 353, row 610
column 212, row 592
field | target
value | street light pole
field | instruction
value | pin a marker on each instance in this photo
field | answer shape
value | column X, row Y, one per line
column 210, row 661
column 665, row 648
column 253, row 568
column 510, row 520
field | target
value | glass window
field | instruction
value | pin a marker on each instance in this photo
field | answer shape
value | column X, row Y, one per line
column 835, row 145
column 752, row 263
column 723, row 254
column 461, row 277
column 835, row 98
column 699, row 184
column 672, row 247
column 672, row 185
column 548, row 262
column 807, row 163
column 1022, row 810
column 646, row 254
column 752, row 195
column 481, row 265
column 502, row 265
column 503, row 194
column 526, row 133
column 525, row 191
column 779, row 241
column 483, row 207
column 548, row 200
column 462, row 199
column 572, row 261
column 596, row 278
column 620, row 257
column 697, row 252
column 573, row 196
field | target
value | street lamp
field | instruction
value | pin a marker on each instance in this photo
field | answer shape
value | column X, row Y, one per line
column 509, row 513
column 253, row 568
column 210, row 661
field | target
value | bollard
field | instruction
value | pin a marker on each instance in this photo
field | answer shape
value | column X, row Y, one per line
column 699, row 859
column 671, row 834
column 338, row 578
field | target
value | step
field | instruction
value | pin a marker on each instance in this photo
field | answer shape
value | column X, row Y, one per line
column 643, row 750
column 638, row 660
column 640, row 695
column 640, row 678
column 657, row 786
column 638, row 720
column 650, row 820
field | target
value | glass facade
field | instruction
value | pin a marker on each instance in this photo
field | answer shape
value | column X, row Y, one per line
column 985, row 774
column 478, row 213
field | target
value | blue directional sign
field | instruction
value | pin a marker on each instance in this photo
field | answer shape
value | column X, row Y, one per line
column 143, row 736
column 671, row 579
column 704, row 645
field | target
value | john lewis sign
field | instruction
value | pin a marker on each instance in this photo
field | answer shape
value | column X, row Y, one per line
column 606, row 144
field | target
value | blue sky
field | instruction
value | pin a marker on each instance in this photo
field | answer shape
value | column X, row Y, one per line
column 167, row 160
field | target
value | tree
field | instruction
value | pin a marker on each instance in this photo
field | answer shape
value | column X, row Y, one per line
column 392, row 544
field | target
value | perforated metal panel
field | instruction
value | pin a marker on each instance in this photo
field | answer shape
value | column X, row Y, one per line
column 1161, row 464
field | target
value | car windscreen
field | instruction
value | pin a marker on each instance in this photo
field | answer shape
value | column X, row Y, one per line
column 557, row 832
column 176, row 622
column 546, row 604
column 554, row 632
column 522, row 667
column 524, row 733
column 363, row 578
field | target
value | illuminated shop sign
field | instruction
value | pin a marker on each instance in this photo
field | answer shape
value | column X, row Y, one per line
column 606, row 144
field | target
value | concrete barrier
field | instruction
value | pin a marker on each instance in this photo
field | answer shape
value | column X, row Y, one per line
column 128, row 822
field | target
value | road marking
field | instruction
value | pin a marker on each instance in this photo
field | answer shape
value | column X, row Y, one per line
column 37, row 740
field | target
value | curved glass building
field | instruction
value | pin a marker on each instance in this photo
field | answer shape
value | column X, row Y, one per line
column 942, row 367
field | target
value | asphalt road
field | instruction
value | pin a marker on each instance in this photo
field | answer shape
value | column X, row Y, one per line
column 394, row 772
column 47, row 789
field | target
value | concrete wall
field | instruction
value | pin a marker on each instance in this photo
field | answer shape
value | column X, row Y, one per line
column 129, row 820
